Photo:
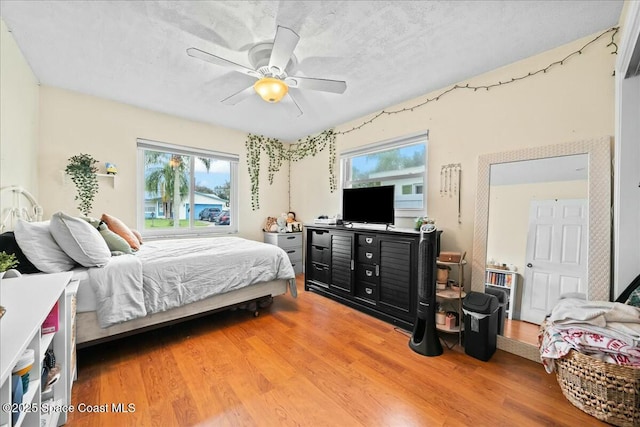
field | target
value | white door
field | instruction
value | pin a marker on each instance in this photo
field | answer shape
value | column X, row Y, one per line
column 556, row 258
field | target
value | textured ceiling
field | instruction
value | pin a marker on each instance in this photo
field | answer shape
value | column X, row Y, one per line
column 387, row 52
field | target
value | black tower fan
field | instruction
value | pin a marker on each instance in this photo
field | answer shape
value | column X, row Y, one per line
column 424, row 339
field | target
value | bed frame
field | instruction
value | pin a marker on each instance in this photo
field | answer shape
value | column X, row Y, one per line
column 88, row 331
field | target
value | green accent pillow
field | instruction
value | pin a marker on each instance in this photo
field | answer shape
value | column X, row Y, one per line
column 114, row 242
column 634, row 298
column 117, row 245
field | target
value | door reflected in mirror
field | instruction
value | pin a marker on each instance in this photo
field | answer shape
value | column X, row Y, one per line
column 537, row 238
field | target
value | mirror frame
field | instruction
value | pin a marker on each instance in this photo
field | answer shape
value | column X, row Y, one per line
column 599, row 254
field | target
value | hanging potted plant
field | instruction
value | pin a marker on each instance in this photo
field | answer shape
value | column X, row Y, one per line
column 82, row 170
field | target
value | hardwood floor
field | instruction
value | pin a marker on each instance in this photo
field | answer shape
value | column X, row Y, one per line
column 308, row 362
column 521, row 331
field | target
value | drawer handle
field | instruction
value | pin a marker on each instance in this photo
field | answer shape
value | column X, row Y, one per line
column 291, row 252
column 291, row 237
column 369, row 291
column 369, row 240
column 369, row 273
column 369, row 255
column 377, row 270
column 317, row 267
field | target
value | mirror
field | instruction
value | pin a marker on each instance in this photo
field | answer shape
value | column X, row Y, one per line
column 577, row 175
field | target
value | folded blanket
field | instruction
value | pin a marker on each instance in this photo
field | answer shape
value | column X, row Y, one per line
column 608, row 331
column 618, row 319
column 596, row 313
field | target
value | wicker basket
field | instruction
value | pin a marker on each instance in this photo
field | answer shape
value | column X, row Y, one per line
column 609, row 392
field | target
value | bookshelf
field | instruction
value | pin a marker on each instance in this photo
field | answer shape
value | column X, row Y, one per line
column 506, row 280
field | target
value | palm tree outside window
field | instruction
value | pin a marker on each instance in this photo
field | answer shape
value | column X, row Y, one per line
column 183, row 189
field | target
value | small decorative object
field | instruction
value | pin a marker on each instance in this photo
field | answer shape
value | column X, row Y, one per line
column 296, row 227
column 451, row 256
column 82, row 170
column 442, row 275
column 423, row 220
column 271, row 225
column 455, row 286
column 450, row 320
column 7, row 261
column 282, row 224
column 440, row 317
column 291, row 217
column 111, row 168
column 450, row 183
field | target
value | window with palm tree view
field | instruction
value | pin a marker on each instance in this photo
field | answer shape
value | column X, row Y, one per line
column 401, row 163
column 186, row 191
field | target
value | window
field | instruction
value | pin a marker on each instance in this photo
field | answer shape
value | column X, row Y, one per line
column 185, row 190
column 400, row 162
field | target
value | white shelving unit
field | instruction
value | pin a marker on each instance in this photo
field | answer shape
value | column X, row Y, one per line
column 506, row 280
column 453, row 297
column 28, row 300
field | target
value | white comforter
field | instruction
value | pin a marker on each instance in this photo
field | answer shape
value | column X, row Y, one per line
column 165, row 274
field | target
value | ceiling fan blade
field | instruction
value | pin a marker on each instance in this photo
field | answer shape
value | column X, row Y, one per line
column 200, row 54
column 324, row 85
column 284, row 43
column 297, row 110
column 239, row 96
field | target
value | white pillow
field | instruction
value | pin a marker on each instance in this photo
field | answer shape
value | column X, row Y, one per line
column 79, row 240
column 37, row 244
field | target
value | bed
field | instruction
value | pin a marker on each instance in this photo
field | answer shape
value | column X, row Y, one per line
column 165, row 281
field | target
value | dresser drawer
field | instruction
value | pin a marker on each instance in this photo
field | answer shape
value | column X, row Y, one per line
column 319, row 273
column 283, row 240
column 368, row 291
column 293, row 253
column 289, row 240
column 367, row 241
column 368, row 273
column 368, row 255
column 297, row 266
column 320, row 254
column 320, row 238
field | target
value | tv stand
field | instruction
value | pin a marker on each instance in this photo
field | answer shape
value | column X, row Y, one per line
column 372, row 270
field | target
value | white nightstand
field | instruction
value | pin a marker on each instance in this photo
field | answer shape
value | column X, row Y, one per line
column 292, row 245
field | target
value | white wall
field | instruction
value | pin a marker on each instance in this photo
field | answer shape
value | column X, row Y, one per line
column 626, row 265
column 508, row 222
column 73, row 123
column 18, row 117
column 571, row 102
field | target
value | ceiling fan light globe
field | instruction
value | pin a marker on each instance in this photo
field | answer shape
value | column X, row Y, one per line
column 270, row 89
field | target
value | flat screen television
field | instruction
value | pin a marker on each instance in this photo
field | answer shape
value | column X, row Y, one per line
column 373, row 205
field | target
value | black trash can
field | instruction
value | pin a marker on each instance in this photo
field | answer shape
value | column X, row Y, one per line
column 480, row 325
column 503, row 300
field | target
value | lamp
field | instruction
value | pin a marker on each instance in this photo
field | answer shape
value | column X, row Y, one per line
column 271, row 89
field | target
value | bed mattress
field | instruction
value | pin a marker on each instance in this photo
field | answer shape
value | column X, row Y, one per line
column 165, row 274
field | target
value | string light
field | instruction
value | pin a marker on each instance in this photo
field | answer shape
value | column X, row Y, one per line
column 311, row 145
column 613, row 31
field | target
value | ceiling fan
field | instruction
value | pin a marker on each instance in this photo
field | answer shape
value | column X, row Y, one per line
column 269, row 61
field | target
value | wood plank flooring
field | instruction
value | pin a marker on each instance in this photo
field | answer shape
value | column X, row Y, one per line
column 307, row 362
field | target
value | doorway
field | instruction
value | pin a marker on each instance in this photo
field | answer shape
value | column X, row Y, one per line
column 556, row 255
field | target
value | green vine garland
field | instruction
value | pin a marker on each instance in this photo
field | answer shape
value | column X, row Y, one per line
column 278, row 153
column 82, row 170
